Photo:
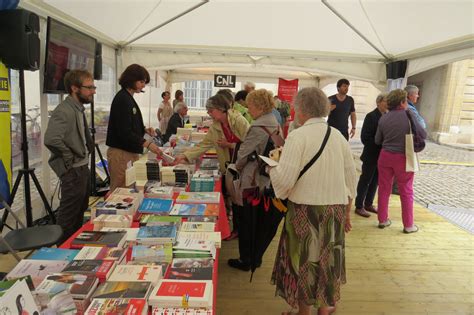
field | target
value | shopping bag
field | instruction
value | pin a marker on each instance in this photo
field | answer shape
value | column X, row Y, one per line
column 412, row 163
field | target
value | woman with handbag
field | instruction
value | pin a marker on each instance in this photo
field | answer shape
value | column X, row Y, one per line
column 252, row 183
column 316, row 173
column 391, row 134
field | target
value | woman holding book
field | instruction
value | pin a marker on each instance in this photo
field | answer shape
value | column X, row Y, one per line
column 260, row 105
column 229, row 127
column 310, row 264
column 126, row 130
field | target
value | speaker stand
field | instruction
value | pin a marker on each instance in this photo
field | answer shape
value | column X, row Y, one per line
column 26, row 171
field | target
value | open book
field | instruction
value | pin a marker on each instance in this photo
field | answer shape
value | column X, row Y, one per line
column 269, row 161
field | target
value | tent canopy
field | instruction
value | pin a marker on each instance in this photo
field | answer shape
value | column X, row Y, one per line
column 319, row 38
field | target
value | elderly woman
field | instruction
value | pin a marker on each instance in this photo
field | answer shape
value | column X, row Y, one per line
column 228, row 129
column 391, row 132
column 176, row 121
column 260, row 104
column 310, row 264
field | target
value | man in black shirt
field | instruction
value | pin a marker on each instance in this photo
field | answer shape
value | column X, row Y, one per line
column 342, row 106
column 367, row 185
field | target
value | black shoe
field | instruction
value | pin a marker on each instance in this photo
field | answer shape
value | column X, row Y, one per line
column 238, row 264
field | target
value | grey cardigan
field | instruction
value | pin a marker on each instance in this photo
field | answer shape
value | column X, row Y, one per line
column 63, row 137
column 255, row 141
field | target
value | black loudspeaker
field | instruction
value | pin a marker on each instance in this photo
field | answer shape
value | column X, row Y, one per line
column 19, row 41
column 98, row 62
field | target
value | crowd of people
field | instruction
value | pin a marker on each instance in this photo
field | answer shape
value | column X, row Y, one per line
column 314, row 181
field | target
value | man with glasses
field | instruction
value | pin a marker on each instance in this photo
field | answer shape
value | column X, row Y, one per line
column 69, row 140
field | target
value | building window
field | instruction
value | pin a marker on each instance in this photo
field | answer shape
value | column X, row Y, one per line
column 196, row 93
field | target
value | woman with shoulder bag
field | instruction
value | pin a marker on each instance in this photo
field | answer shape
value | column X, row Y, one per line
column 316, row 173
column 391, row 134
column 252, row 183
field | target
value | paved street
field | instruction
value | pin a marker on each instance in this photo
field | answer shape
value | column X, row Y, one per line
column 447, row 183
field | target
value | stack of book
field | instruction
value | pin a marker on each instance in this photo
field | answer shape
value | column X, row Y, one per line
column 102, row 253
column 176, row 176
column 152, row 253
column 156, row 206
column 57, row 292
column 198, row 197
column 209, row 164
column 146, row 169
column 157, row 234
column 153, row 189
column 37, row 269
column 46, row 253
column 91, row 267
column 202, row 182
column 118, row 306
column 170, row 293
column 99, row 238
column 195, row 209
column 191, row 269
column 113, row 221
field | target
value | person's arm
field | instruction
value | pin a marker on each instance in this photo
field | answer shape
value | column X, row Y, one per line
column 160, row 111
column 205, row 145
column 417, row 116
column 420, row 130
column 54, row 137
column 285, row 175
column 353, row 121
column 367, row 134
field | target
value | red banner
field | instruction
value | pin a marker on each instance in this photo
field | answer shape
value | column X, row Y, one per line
column 287, row 89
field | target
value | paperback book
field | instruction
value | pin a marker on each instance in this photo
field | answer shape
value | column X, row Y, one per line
column 101, row 253
column 130, row 232
column 157, row 234
column 198, row 227
column 169, row 293
column 122, row 290
column 198, row 197
column 191, row 269
column 153, row 189
column 117, row 307
column 156, row 252
column 112, row 220
column 137, row 273
column 151, row 219
column 156, row 206
column 47, row 253
column 198, row 209
column 99, row 268
column 214, row 237
column 37, row 269
column 99, row 238
column 18, row 300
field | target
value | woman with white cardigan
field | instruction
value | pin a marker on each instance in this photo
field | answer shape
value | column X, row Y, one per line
column 310, row 264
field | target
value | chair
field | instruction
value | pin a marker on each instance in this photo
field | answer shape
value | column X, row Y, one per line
column 27, row 238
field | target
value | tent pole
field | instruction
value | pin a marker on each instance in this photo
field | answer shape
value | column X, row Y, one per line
column 166, row 22
column 325, row 2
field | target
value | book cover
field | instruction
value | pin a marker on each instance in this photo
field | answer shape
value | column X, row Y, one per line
column 202, row 218
column 150, row 219
column 99, row 238
column 191, row 269
column 215, row 237
column 157, row 232
column 37, row 269
column 101, row 253
column 198, row 226
column 153, row 189
column 198, row 197
column 122, row 289
column 117, row 307
column 180, row 311
column 78, row 285
column 169, row 293
column 137, row 273
column 143, row 252
column 131, row 232
column 163, row 264
column 156, row 206
column 47, row 253
column 119, row 202
column 98, row 268
column 112, row 220
column 194, row 245
column 7, row 284
column 198, row 209
column 18, row 300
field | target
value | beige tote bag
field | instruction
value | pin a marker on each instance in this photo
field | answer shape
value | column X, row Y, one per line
column 412, row 163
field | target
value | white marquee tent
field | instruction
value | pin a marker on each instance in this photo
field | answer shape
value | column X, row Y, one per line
column 310, row 39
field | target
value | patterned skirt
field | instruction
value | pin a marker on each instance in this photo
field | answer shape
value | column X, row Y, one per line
column 310, row 262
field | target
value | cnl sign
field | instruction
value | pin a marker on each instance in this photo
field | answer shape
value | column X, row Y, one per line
column 224, row 80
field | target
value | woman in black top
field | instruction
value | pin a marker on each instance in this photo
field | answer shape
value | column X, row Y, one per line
column 126, row 129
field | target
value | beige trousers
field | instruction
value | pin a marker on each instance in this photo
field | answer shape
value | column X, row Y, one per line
column 118, row 160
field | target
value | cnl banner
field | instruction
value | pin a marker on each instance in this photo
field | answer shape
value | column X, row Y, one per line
column 5, row 136
column 287, row 90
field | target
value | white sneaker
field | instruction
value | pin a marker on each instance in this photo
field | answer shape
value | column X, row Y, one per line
column 412, row 229
column 383, row 225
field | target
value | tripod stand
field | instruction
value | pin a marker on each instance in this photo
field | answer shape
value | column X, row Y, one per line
column 26, row 171
column 94, row 190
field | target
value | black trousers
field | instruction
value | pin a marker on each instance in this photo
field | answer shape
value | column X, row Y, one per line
column 75, row 189
column 367, row 185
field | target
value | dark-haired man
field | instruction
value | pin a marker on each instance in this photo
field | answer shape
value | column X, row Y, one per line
column 69, row 140
column 342, row 106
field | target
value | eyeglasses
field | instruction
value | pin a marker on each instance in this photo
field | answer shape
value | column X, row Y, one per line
column 89, row 87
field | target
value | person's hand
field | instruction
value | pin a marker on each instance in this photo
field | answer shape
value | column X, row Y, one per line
column 332, row 107
column 151, row 131
column 155, row 149
column 347, row 224
column 223, row 143
column 180, row 159
column 353, row 132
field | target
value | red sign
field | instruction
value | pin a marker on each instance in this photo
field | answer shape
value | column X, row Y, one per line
column 287, row 90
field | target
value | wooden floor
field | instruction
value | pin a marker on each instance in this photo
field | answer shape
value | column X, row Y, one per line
column 388, row 272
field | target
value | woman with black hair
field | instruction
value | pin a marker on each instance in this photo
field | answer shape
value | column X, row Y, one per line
column 126, row 130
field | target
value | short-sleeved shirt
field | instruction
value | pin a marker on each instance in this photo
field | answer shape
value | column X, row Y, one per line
column 338, row 118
